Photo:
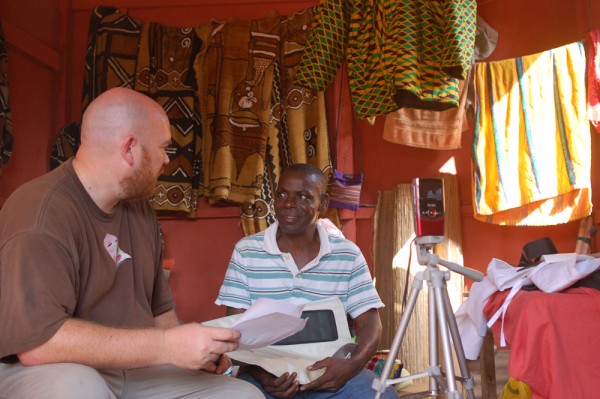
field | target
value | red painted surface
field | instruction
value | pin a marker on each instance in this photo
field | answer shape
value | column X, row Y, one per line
column 201, row 248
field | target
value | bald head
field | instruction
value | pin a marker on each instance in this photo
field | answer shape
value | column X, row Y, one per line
column 124, row 140
column 116, row 113
column 314, row 174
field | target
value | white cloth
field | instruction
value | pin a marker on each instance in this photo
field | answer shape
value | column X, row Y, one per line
column 554, row 273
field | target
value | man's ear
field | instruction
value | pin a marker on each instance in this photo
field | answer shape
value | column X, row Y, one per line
column 127, row 145
column 324, row 202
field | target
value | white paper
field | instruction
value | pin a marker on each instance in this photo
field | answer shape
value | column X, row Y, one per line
column 268, row 321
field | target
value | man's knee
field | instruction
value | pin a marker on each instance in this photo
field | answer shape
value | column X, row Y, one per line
column 60, row 380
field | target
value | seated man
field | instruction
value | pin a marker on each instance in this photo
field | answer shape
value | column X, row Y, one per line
column 85, row 310
column 296, row 259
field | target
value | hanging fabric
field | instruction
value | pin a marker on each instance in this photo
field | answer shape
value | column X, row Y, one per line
column 256, row 121
column 6, row 131
column 399, row 53
column 593, row 71
column 165, row 72
column 346, row 186
column 531, row 147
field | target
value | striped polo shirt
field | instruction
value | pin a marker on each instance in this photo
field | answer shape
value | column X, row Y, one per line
column 259, row 269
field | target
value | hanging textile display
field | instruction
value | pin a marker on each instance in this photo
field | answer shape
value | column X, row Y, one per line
column 110, row 60
column 6, row 131
column 424, row 128
column 531, row 146
column 256, row 122
column 593, row 73
column 399, row 53
column 66, row 144
column 158, row 62
column 164, row 72
column 442, row 130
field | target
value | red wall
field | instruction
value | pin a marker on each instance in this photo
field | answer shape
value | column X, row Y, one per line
column 46, row 47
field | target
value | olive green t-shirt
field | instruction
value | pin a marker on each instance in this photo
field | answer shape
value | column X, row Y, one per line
column 61, row 256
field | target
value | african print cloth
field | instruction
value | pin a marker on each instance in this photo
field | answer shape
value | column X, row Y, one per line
column 256, row 121
column 6, row 132
column 165, row 73
column 399, row 53
column 156, row 61
column 531, row 146
column 110, row 61
column 66, row 144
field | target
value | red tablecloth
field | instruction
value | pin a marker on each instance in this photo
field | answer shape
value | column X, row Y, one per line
column 554, row 341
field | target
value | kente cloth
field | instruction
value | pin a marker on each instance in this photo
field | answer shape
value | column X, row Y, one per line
column 553, row 340
column 6, row 131
column 66, row 144
column 256, row 121
column 593, row 73
column 399, row 53
column 531, row 147
column 164, row 72
column 424, row 128
column 111, row 56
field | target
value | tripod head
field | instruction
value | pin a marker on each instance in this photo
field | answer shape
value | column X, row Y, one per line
column 426, row 257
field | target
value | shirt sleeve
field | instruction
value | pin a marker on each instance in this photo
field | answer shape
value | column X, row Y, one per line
column 234, row 292
column 39, row 278
column 362, row 294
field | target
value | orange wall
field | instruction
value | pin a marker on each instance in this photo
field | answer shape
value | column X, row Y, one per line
column 46, row 47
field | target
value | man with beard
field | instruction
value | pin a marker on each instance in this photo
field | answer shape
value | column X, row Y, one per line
column 296, row 260
column 84, row 307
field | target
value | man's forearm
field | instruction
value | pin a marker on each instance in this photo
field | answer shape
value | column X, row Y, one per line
column 98, row 346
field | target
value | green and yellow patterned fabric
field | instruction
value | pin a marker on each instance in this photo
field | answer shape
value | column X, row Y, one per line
column 408, row 53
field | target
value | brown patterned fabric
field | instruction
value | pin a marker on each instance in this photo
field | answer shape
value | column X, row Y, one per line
column 156, row 61
column 235, row 72
column 6, row 132
column 111, row 57
column 66, row 144
column 256, row 122
column 165, row 73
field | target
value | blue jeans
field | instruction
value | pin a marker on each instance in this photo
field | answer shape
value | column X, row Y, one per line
column 359, row 387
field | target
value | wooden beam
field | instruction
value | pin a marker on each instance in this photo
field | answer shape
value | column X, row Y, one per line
column 32, row 46
column 90, row 4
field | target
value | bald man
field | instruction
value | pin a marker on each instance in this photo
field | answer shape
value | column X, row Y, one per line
column 85, row 311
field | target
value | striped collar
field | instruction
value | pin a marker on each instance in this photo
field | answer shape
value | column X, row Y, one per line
column 270, row 245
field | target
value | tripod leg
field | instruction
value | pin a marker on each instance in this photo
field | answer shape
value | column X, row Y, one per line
column 468, row 383
column 380, row 384
column 434, row 361
column 439, row 286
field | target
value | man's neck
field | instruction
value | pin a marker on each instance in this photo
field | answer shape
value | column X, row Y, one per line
column 303, row 247
column 97, row 191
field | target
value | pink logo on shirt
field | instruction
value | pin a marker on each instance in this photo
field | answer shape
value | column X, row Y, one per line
column 111, row 243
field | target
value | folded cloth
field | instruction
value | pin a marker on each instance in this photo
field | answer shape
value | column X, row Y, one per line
column 555, row 273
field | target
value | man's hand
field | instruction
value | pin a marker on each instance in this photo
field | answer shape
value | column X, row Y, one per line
column 194, row 346
column 338, row 372
column 284, row 386
column 224, row 363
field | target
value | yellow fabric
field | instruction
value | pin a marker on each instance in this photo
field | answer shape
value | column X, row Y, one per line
column 532, row 155
column 515, row 389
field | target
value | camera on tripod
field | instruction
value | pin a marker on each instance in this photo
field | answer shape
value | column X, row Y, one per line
column 428, row 203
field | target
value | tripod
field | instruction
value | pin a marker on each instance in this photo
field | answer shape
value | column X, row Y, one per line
column 441, row 319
